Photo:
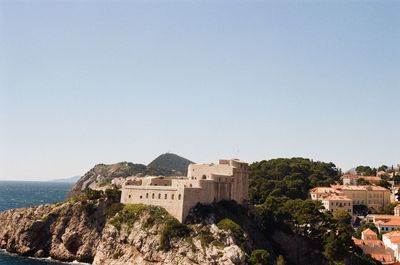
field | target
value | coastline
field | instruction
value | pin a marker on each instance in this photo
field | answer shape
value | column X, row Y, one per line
column 48, row 259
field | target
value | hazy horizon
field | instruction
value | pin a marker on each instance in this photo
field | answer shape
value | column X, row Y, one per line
column 84, row 82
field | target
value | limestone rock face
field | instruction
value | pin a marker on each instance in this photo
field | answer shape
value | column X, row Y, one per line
column 139, row 245
column 66, row 232
column 81, row 231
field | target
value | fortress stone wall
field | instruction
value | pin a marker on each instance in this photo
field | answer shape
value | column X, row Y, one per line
column 204, row 183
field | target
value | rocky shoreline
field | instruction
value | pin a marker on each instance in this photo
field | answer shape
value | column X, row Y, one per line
column 81, row 231
column 47, row 259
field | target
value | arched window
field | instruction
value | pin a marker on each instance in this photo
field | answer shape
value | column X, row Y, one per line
column 172, row 196
column 204, row 177
column 147, row 195
column 159, row 195
column 190, row 185
column 152, row 196
column 140, row 196
column 179, row 197
column 165, row 196
column 129, row 196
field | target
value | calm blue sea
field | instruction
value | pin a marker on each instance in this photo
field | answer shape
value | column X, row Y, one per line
column 17, row 194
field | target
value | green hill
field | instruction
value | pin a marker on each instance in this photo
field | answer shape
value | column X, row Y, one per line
column 170, row 163
column 101, row 175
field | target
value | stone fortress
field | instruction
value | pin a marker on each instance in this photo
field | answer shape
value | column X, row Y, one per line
column 204, row 183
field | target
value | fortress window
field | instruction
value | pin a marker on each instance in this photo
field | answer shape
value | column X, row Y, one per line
column 140, row 196
column 165, row 196
column 129, row 196
column 152, row 196
column 172, row 196
column 179, row 197
column 159, row 195
column 204, row 176
column 147, row 195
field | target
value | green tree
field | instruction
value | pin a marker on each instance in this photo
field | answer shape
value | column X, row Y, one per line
column 259, row 257
column 361, row 181
column 289, row 177
column 113, row 194
column 396, row 179
column 357, row 233
column 389, row 208
column 339, row 242
column 384, row 183
column 383, row 168
column 366, row 171
column 93, row 194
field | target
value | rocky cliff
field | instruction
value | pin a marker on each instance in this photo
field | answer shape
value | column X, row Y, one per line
column 103, row 231
column 86, row 231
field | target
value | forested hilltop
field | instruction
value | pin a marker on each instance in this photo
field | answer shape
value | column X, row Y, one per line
column 290, row 177
column 279, row 191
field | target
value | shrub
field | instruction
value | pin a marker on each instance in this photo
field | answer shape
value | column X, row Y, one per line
column 114, row 209
column 157, row 215
column 88, row 206
column 259, row 257
column 113, row 194
column 229, row 225
column 128, row 215
column 93, row 194
column 205, row 238
column 172, row 228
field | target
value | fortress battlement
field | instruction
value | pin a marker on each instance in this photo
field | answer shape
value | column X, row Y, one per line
column 204, row 183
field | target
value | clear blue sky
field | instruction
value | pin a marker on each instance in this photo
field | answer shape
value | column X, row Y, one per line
column 93, row 82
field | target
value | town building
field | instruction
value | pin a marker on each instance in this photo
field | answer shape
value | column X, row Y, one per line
column 204, row 183
column 384, row 222
column 392, row 241
column 396, row 210
column 370, row 244
column 394, row 191
column 350, row 179
column 335, row 202
column 374, row 197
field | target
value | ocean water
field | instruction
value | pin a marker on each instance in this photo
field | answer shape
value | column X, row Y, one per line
column 18, row 194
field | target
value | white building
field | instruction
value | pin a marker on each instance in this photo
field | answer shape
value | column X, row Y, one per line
column 333, row 203
column 392, row 241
